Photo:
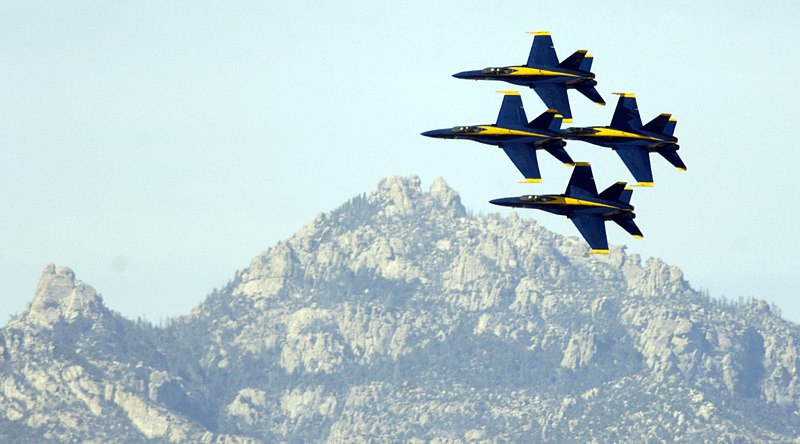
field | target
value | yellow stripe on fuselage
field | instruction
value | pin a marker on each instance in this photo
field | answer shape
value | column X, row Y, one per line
column 525, row 71
column 608, row 132
column 561, row 200
column 499, row 131
column 586, row 203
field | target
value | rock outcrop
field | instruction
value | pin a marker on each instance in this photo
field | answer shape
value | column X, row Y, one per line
column 400, row 318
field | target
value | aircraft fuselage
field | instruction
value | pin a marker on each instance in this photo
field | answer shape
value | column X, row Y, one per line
column 610, row 137
column 530, row 76
column 496, row 135
column 568, row 206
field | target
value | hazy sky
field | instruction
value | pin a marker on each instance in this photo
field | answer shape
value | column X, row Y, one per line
column 156, row 147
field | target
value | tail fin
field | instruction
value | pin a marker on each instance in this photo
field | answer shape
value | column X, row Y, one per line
column 670, row 127
column 574, row 61
column 592, row 94
column 614, row 192
column 549, row 120
column 660, row 124
column 673, row 158
column 512, row 113
column 625, row 197
column 586, row 65
column 626, row 115
column 629, row 225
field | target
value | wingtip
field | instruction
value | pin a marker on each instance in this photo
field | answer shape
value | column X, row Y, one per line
column 625, row 94
column 531, row 180
column 643, row 184
column 597, row 252
column 638, row 236
column 681, row 168
column 569, row 164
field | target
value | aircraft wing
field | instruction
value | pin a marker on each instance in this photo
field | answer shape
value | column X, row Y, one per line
column 543, row 53
column 626, row 116
column 524, row 158
column 581, row 183
column 593, row 230
column 637, row 159
column 512, row 113
column 555, row 97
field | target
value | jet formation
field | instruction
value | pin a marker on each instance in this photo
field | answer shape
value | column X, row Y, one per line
column 521, row 139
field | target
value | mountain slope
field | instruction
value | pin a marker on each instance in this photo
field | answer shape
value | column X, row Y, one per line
column 398, row 317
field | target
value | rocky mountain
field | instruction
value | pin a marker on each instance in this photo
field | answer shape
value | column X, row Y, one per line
column 398, row 317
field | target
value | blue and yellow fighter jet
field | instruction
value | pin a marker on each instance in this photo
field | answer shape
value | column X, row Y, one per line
column 632, row 141
column 516, row 136
column 549, row 78
column 587, row 209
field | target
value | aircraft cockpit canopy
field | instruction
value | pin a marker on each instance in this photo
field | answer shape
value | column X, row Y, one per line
column 467, row 129
column 538, row 199
column 497, row 71
column 580, row 131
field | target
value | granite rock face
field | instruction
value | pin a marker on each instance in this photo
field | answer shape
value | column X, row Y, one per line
column 400, row 318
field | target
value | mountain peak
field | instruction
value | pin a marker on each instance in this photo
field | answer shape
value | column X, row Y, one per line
column 403, row 196
column 60, row 296
column 394, row 318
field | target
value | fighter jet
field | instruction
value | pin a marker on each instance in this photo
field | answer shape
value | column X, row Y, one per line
column 633, row 141
column 587, row 209
column 516, row 136
column 546, row 76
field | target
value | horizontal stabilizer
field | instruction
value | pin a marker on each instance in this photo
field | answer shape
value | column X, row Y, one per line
column 673, row 158
column 591, row 93
column 614, row 192
column 630, row 226
column 659, row 124
column 549, row 120
column 574, row 61
column 560, row 153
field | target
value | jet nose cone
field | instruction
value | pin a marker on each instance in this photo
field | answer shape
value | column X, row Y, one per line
column 466, row 75
column 435, row 133
column 504, row 201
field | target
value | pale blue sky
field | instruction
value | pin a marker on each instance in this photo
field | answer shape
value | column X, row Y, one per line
column 156, row 147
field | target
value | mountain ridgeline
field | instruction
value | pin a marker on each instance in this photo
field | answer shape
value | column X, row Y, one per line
column 398, row 317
